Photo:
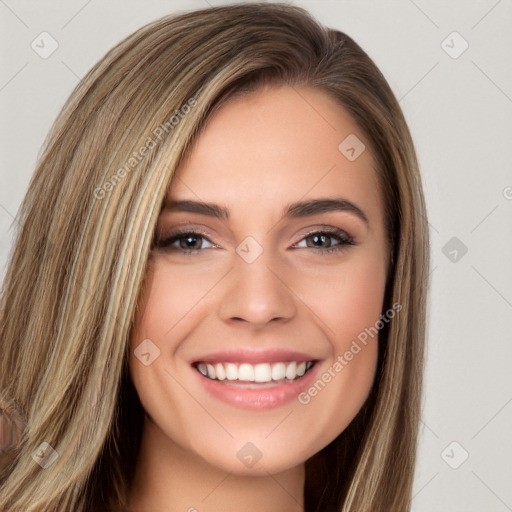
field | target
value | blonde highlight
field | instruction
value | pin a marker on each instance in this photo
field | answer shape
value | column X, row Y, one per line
column 79, row 263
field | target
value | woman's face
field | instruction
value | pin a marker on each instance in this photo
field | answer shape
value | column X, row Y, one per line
column 270, row 267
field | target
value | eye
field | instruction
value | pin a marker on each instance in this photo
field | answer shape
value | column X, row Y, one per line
column 185, row 241
column 326, row 241
column 323, row 240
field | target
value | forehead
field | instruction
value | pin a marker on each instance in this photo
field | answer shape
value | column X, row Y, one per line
column 274, row 146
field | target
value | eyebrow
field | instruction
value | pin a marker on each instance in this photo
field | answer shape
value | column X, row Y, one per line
column 293, row 210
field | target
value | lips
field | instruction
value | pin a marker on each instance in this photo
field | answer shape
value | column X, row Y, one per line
column 255, row 379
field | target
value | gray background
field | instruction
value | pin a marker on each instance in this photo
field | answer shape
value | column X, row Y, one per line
column 459, row 108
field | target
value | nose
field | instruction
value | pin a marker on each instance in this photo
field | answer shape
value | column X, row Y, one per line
column 257, row 294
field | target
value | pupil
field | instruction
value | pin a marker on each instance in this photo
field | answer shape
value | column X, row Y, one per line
column 191, row 242
column 322, row 239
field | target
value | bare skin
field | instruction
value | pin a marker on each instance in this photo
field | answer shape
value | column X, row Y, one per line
column 306, row 290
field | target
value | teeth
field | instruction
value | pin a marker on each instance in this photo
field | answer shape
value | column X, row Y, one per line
column 220, row 373
column 278, row 371
column 246, row 372
column 262, row 372
column 231, row 371
column 291, row 371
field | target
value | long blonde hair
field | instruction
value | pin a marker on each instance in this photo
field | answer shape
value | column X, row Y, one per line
column 87, row 224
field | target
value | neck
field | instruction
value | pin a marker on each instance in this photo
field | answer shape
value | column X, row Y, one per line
column 171, row 479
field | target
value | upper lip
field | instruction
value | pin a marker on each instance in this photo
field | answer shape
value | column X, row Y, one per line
column 254, row 356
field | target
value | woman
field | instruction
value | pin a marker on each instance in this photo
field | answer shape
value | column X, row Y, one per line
column 217, row 296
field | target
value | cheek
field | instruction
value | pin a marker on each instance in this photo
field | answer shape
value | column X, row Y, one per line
column 347, row 298
column 350, row 307
column 339, row 392
column 163, row 303
column 169, row 300
column 173, row 293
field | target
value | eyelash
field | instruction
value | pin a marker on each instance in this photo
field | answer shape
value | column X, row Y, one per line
column 344, row 240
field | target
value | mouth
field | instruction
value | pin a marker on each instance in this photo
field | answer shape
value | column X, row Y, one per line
column 256, row 380
column 273, row 373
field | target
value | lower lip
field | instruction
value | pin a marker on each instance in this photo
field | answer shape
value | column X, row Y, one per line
column 258, row 399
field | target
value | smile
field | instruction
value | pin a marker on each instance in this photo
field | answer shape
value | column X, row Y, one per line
column 259, row 373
